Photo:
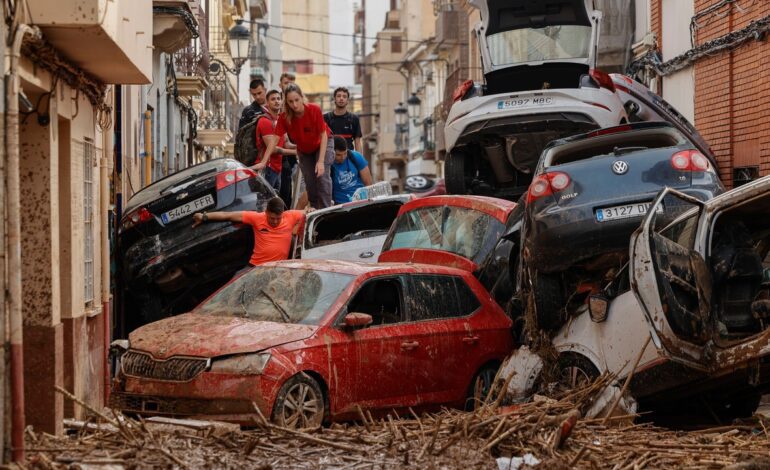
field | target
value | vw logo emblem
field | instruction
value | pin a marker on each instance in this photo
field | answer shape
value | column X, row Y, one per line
column 619, row 167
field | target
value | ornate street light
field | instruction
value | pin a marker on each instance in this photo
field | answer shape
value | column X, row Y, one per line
column 401, row 114
column 402, row 126
column 414, row 103
column 240, row 40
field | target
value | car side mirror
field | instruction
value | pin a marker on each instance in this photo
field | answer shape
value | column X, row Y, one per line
column 598, row 307
column 357, row 320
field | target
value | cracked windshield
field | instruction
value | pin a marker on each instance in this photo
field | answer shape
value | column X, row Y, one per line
column 278, row 295
column 539, row 44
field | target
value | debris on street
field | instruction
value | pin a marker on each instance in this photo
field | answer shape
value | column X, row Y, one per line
column 543, row 433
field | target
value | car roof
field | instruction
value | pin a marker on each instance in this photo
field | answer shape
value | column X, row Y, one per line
column 358, row 268
column 497, row 208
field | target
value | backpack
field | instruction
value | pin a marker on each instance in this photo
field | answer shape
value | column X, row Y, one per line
column 245, row 147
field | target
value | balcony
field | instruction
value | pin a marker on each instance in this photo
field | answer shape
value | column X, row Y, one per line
column 452, row 82
column 173, row 24
column 87, row 31
column 448, row 26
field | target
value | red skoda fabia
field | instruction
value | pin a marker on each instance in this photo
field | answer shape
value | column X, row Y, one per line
column 310, row 342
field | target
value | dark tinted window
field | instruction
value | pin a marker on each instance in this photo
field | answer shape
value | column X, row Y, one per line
column 436, row 297
column 380, row 298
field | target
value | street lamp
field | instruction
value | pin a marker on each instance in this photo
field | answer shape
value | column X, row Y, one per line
column 401, row 114
column 240, row 39
column 414, row 103
column 402, row 126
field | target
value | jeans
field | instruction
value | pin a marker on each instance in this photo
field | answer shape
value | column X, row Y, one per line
column 273, row 178
column 287, row 170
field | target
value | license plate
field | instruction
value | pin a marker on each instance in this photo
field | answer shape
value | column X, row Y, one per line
column 187, row 208
column 625, row 211
column 521, row 102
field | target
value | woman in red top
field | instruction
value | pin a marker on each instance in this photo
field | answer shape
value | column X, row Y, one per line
column 304, row 124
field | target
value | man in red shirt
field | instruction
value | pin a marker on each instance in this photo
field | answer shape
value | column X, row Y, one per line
column 267, row 141
column 304, row 124
column 273, row 228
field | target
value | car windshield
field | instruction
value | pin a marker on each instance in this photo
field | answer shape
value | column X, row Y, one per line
column 557, row 42
column 466, row 232
column 279, row 295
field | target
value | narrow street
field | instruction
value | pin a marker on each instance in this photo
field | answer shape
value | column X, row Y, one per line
column 336, row 234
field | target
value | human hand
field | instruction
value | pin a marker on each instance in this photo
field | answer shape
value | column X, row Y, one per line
column 319, row 169
column 197, row 219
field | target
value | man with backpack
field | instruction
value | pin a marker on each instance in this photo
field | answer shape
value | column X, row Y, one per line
column 257, row 107
column 342, row 122
column 271, row 146
column 350, row 171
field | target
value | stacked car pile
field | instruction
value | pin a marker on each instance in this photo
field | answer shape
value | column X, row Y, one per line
column 622, row 247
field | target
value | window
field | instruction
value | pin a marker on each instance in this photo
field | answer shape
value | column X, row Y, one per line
column 88, row 219
column 395, row 45
column 380, row 298
column 441, row 297
column 556, row 42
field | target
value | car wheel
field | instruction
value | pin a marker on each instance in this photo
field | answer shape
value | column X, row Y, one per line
column 732, row 407
column 300, row 403
column 576, row 371
column 549, row 300
column 480, row 387
column 454, row 173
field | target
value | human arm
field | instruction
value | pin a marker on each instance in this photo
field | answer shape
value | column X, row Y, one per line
column 201, row 217
column 357, row 134
column 366, row 176
column 357, row 144
column 270, row 145
column 319, row 166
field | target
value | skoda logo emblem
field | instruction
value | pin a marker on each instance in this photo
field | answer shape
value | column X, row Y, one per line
column 620, row 167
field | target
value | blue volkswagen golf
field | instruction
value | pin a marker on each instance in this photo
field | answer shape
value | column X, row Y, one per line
column 589, row 193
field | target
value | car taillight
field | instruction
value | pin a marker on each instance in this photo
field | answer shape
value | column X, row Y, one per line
column 546, row 184
column 226, row 178
column 603, row 79
column 690, row 160
column 136, row 217
column 461, row 90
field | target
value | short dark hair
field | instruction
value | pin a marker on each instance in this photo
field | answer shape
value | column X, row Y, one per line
column 288, row 75
column 340, row 143
column 256, row 83
column 339, row 89
column 272, row 92
column 275, row 206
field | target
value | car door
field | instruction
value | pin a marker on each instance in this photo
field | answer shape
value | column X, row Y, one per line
column 380, row 352
column 674, row 284
column 442, row 315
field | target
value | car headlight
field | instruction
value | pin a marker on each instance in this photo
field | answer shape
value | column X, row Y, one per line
column 245, row 364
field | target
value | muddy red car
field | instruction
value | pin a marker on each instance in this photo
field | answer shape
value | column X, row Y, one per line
column 309, row 342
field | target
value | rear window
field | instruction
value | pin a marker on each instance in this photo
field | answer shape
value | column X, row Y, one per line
column 469, row 233
column 622, row 142
column 359, row 222
column 155, row 190
column 556, row 42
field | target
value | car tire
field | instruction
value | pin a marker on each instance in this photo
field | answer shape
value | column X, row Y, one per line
column 576, row 371
column 732, row 407
column 300, row 403
column 483, row 380
column 454, row 173
column 549, row 300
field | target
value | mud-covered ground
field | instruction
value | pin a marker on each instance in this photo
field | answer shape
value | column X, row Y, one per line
column 546, row 431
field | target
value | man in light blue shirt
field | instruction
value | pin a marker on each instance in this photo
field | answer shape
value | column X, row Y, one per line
column 349, row 172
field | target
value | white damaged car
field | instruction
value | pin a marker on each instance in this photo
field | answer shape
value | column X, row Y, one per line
column 688, row 317
column 541, row 83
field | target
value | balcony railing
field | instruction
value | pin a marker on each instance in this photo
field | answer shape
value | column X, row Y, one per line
column 452, row 82
column 448, row 26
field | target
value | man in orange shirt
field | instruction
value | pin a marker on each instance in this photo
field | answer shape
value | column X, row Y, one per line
column 272, row 229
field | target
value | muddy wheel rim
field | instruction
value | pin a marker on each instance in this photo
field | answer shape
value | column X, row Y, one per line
column 575, row 377
column 484, row 383
column 302, row 407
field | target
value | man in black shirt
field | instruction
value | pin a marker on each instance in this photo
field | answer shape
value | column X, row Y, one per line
column 257, row 91
column 342, row 122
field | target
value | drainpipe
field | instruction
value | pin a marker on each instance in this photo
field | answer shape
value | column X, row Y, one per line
column 147, row 148
column 104, row 209
column 13, row 188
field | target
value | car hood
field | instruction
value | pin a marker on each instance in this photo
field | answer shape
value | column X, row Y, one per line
column 194, row 334
column 428, row 256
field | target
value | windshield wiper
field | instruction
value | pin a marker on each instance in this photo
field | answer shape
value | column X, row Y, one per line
column 243, row 302
column 280, row 309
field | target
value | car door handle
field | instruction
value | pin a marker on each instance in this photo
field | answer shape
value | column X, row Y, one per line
column 366, row 254
column 471, row 339
column 409, row 345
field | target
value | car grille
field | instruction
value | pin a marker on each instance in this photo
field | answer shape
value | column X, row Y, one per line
column 177, row 369
column 173, row 406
